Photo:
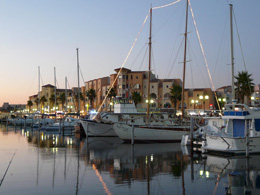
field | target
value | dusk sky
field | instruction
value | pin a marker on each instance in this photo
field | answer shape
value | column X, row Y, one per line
column 46, row 33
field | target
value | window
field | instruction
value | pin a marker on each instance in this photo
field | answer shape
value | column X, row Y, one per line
column 152, row 86
column 136, row 77
column 131, row 77
column 166, row 86
column 123, row 86
column 126, row 77
column 126, row 85
column 123, row 76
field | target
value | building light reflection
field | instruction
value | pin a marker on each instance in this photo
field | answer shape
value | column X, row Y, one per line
column 101, row 180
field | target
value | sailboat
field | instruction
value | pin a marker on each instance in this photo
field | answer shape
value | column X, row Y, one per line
column 241, row 134
column 149, row 132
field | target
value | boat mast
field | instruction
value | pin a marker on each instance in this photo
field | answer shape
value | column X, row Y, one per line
column 149, row 68
column 39, row 89
column 78, row 81
column 184, row 61
column 55, row 90
column 66, row 102
column 232, row 52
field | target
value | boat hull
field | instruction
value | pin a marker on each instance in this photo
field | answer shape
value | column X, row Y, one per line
column 235, row 145
column 95, row 129
column 153, row 134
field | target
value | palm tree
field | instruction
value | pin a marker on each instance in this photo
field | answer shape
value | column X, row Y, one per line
column 91, row 94
column 43, row 100
column 111, row 94
column 29, row 104
column 36, row 101
column 136, row 97
column 76, row 99
column 244, row 85
column 175, row 91
column 52, row 100
column 62, row 99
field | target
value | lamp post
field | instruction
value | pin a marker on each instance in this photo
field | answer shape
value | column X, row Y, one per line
column 110, row 104
column 151, row 102
column 252, row 100
column 204, row 98
column 222, row 101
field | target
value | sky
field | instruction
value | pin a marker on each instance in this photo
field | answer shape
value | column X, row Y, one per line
column 46, row 33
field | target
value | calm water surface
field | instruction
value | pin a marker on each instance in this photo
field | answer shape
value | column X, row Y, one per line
column 38, row 163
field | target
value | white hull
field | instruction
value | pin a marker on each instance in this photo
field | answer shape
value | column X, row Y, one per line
column 95, row 129
column 153, row 133
column 21, row 121
column 231, row 144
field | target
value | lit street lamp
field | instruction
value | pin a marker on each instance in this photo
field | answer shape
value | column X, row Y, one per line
column 204, row 98
column 222, row 102
column 194, row 102
column 110, row 104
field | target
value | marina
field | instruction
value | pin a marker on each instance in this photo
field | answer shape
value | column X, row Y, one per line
column 162, row 121
column 52, row 164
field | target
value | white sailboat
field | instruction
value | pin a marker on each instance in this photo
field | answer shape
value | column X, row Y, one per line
column 151, row 132
column 241, row 134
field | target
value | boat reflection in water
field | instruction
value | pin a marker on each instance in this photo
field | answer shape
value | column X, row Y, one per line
column 126, row 163
column 243, row 174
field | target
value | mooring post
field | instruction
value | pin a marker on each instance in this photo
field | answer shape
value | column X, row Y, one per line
column 191, row 132
column 247, row 138
column 133, row 135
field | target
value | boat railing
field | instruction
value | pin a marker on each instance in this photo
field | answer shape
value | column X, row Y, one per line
column 238, row 110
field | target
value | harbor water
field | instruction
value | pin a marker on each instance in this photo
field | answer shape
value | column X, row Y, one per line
column 34, row 162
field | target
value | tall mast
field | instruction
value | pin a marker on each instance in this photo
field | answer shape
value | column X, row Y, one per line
column 55, row 89
column 78, row 81
column 232, row 52
column 66, row 94
column 39, row 88
column 149, row 69
column 184, row 61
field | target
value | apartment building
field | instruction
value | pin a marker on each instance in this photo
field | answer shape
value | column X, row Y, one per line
column 47, row 91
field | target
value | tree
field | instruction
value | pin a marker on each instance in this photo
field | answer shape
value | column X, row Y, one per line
column 43, row 100
column 111, row 94
column 76, row 99
column 136, row 97
column 36, row 101
column 62, row 99
column 29, row 104
column 52, row 101
column 91, row 94
column 243, row 85
column 175, row 95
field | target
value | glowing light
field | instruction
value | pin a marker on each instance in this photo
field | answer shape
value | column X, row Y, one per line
column 201, row 172
column 101, row 180
column 207, row 174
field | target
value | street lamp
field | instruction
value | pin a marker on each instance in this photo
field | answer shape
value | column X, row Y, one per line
column 252, row 100
column 110, row 104
column 194, row 102
column 222, row 101
column 204, row 98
